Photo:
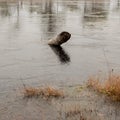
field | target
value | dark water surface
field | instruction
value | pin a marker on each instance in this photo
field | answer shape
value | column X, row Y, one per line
column 26, row 26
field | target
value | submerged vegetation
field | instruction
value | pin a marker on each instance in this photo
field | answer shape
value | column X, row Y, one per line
column 110, row 87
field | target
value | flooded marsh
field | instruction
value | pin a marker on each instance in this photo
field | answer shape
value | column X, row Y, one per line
column 27, row 60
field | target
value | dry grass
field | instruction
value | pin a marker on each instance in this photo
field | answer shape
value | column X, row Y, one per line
column 74, row 111
column 46, row 92
column 110, row 87
column 70, row 111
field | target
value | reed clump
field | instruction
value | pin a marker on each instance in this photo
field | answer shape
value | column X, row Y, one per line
column 46, row 92
column 74, row 111
column 110, row 87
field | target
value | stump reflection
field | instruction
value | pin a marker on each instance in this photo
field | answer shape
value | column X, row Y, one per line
column 61, row 54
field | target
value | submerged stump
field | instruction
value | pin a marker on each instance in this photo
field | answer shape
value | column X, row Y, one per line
column 60, row 39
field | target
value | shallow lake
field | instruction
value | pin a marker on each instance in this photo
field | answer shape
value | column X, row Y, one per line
column 26, row 26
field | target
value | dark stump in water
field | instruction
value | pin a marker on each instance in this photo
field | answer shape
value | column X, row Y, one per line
column 60, row 39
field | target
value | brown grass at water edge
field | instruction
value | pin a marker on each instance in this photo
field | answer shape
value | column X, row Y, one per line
column 74, row 110
column 46, row 92
column 110, row 87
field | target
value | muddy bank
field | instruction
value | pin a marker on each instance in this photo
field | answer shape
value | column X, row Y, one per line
column 79, row 103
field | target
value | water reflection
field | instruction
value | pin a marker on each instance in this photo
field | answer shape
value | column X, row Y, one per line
column 47, row 10
column 90, row 11
column 51, row 17
column 114, row 5
column 95, row 11
column 61, row 54
column 4, row 9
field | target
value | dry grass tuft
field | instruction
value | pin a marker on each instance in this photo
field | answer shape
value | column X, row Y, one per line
column 71, row 111
column 74, row 111
column 110, row 87
column 46, row 92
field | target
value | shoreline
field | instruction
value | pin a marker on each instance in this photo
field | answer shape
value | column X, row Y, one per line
column 79, row 103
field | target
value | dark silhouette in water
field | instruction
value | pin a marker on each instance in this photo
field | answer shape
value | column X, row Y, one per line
column 60, row 39
column 61, row 54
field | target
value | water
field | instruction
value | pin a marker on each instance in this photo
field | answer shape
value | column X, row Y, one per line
column 26, row 26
